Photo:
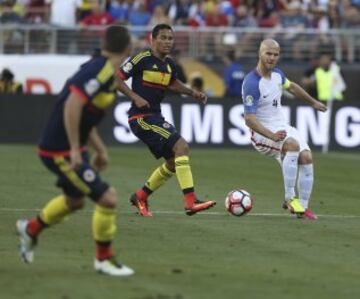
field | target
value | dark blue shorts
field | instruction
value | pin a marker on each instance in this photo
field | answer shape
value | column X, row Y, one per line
column 156, row 133
column 76, row 183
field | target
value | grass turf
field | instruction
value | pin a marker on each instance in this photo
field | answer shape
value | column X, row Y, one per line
column 266, row 254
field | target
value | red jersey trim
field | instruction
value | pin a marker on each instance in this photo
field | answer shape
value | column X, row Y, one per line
column 264, row 145
column 136, row 116
column 121, row 75
column 76, row 90
column 153, row 85
column 49, row 154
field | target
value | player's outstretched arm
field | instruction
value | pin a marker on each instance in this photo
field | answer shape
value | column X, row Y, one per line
column 133, row 96
column 72, row 115
column 179, row 87
column 253, row 123
column 100, row 158
column 300, row 93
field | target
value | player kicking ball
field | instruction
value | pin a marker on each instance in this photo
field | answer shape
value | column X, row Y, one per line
column 152, row 73
column 271, row 135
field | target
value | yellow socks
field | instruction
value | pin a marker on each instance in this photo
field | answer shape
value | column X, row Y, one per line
column 184, row 174
column 158, row 177
column 104, row 224
column 55, row 210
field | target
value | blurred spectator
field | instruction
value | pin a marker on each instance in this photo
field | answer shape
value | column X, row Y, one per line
column 36, row 12
column 308, row 80
column 159, row 16
column 179, row 12
column 351, row 13
column 9, row 14
column 244, row 17
column 267, row 13
column 233, row 75
column 215, row 17
column 85, row 8
column 329, row 82
column 63, row 12
column 197, row 83
column 98, row 15
column 119, row 10
column 140, row 16
column 8, row 84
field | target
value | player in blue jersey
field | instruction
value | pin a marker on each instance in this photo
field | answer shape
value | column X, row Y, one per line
column 63, row 150
column 153, row 72
column 270, row 133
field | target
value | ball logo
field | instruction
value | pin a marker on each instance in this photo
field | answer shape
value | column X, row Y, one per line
column 166, row 125
column 249, row 100
column 89, row 175
column 92, row 86
column 127, row 67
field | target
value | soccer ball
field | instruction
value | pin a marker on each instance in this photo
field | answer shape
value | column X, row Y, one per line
column 238, row 202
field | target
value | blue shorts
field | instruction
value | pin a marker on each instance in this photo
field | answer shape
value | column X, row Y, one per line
column 76, row 183
column 156, row 133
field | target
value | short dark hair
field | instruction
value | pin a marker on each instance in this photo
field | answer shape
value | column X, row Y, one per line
column 158, row 27
column 7, row 75
column 117, row 38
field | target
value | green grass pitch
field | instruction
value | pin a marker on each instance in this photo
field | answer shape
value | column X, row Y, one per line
column 266, row 254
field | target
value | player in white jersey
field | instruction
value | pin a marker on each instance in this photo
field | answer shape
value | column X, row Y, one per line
column 271, row 135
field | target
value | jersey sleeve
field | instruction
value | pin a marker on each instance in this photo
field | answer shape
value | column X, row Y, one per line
column 86, row 83
column 285, row 81
column 250, row 94
column 132, row 66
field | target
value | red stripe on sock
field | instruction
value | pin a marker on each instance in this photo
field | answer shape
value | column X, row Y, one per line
column 103, row 251
column 35, row 226
column 189, row 199
column 141, row 194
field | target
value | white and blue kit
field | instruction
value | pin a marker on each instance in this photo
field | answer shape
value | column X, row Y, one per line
column 262, row 97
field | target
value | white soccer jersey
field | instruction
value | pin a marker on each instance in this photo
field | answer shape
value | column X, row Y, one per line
column 262, row 96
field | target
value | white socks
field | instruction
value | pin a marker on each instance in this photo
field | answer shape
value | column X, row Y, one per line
column 305, row 183
column 289, row 169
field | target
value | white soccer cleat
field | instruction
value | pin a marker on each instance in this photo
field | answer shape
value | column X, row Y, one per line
column 27, row 243
column 112, row 267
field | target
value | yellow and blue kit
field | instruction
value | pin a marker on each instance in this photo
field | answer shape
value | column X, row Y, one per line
column 95, row 85
column 151, row 76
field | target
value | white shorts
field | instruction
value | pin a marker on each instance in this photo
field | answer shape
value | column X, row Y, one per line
column 271, row 148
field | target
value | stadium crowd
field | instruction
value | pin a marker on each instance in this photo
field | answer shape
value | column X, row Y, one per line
column 319, row 14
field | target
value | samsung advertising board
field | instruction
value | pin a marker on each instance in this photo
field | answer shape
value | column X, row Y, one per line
column 220, row 123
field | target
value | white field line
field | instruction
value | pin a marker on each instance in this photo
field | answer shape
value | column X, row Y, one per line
column 17, row 210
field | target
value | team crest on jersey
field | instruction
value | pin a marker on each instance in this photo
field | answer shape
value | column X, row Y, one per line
column 89, row 175
column 155, row 67
column 92, row 86
column 249, row 100
column 166, row 125
column 127, row 67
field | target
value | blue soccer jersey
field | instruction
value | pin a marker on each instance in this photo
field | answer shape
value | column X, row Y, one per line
column 95, row 84
column 150, row 78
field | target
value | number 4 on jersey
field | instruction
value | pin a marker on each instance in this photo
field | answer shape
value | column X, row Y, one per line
column 275, row 103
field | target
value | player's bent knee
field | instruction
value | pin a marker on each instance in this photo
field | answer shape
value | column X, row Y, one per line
column 181, row 148
column 291, row 145
column 75, row 203
column 170, row 164
column 108, row 199
column 305, row 157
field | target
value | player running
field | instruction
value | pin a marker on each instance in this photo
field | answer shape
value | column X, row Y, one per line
column 271, row 135
column 80, row 108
